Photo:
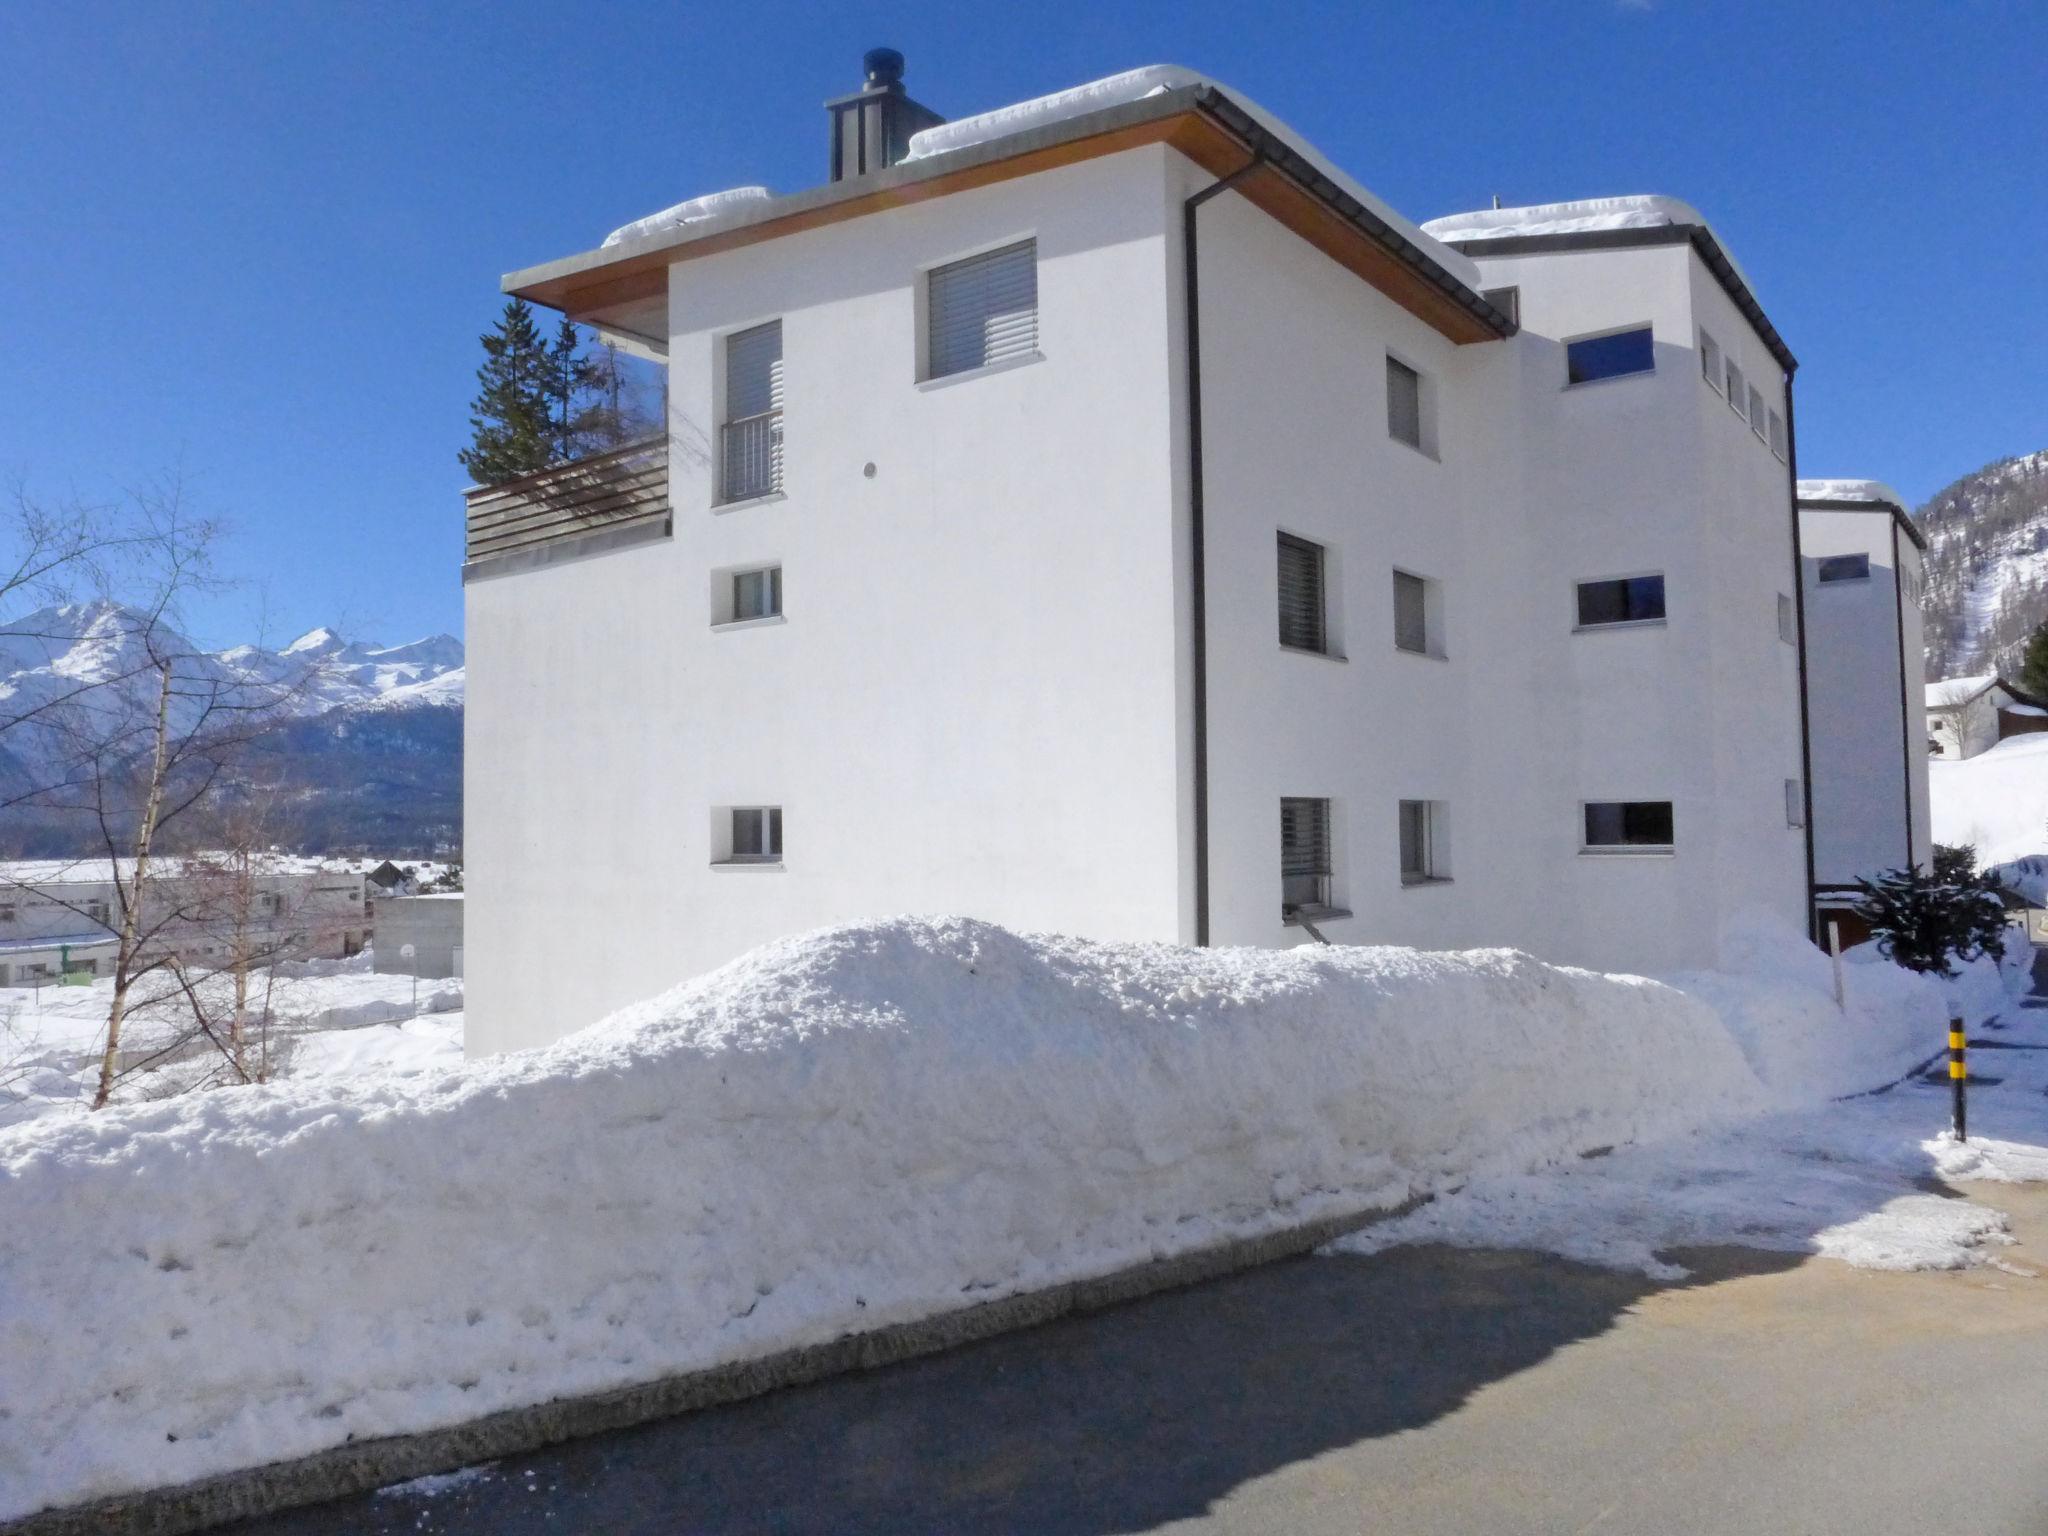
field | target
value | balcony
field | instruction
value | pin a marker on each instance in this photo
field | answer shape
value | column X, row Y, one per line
column 626, row 488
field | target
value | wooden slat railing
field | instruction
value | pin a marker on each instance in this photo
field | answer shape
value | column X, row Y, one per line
column 618, row 489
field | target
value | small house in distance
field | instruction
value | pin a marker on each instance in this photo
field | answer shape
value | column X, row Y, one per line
column 1968, row 715
column 430, row 926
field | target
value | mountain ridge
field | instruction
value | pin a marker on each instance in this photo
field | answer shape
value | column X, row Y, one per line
column 1987, row 566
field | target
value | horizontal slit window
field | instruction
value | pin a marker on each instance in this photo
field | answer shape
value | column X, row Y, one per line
column 1844, row 568
column 983, row 310
column 1622, row 600
column 1628, row 824
column 1609, row 357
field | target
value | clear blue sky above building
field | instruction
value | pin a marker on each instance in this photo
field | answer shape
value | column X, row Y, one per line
column 257, row 242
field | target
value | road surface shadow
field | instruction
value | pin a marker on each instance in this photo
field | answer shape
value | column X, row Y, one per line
column 1117, row 1421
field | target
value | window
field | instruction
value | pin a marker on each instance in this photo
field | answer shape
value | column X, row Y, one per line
column 751, row 452
column 756, row 594
column 8, row 911
column 1795, row 804
column 1304, row 856
column 1788, row 623
column 1507, row 300
column 1710, row 362
column 982, row 311
column 1911, row 580
column 97, row 911
column 1611, row 356
column 1425, row 852
column 1628, row 825
column 1779, row 444
column 1417, row 620
column 1844, row 568
column 756, row 834
column 1736, row 398
column 1302, row 626
column 1756, row 412
column 1621, row 600
column 1404, row 403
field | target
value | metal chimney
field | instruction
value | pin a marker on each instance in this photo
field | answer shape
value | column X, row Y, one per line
column 871, row 129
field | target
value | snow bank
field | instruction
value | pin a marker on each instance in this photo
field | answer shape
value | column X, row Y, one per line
column 692, row 211
column 1996, row 801
column 864, row 1125
column 1153, row 80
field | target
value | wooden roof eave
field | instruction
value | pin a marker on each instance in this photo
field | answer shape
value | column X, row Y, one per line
column 1191, row 120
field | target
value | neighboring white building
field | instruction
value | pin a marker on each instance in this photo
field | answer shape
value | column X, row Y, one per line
column 1968, row 715
column 1861, row 560
column 1051, row 531
column 59, row 916
column 429, row 926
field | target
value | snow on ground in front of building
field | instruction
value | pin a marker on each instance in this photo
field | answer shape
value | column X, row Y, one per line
column 1996, row 801
column 327, row 1016
column 860, row 1126
column 1846, row 1179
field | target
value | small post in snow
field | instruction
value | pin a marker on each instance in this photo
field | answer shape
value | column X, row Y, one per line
column 410, row 956
column 1958, row 1077
column 1835, row 954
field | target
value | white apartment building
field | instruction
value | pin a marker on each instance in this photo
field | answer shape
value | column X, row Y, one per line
column 60, row 917
column 1968, row 715
column 1106, row 516
column 1861, row 562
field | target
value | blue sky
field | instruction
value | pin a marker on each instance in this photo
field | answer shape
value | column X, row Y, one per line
column 257, row 241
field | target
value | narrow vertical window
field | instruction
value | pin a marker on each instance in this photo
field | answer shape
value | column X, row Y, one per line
column 1304, row 856
column 1424, row 850
column 1737, row 400
column 1303, row 624
column 1756, row 412
column 982, row 311
column 1788, row 624
column 1779, row 445
column 751, row 448
column 1710, row 362
column 1795, row 804
column 1404, row 403
column 1411, row 614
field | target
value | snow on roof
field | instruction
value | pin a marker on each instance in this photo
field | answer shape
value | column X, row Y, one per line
column 1153, row 80
column 1588, row 215
column 1956, row 690
column 693, row 211
column 1850, row 490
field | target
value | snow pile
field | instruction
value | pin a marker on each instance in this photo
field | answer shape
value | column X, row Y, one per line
column 692, row 211
column 1997, row 801
column 1644, row 210
column 1874, row 491
column 864, row 1125
column 1951, row 691
column 1153, row 80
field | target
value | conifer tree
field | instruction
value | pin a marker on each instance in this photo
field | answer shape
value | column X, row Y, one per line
column 568, row 382
column 511, row 415
column 2034, row 662
column 1922, row 920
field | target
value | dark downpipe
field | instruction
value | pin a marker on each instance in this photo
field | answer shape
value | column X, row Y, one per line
column 1799, row 613
column 1905, row 709
column 1198, row 605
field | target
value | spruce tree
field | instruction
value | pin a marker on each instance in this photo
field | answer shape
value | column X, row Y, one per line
column 2034, row 662
column 568, row 381
column 513, row 425
column 1922, row 920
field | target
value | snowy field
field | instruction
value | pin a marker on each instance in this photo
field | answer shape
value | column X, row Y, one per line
column 870, row 1124
column 327, row 1016
column 1996, row 801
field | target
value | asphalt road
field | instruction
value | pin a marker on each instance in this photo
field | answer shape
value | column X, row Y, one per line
column 1419, row 1391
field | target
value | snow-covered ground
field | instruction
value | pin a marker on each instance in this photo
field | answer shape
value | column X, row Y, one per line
column 1996, row 801
column 858, row 1126
column 326, row 1017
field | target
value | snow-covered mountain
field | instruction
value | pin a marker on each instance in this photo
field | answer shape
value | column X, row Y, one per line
column 373, row 746
column 1987, row 567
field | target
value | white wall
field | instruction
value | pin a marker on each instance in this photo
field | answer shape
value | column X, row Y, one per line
column 1869, row 744
column 972, row 704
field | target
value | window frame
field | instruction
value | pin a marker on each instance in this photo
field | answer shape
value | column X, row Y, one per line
column 1649, row 370
column 772, row 592
column 1788, row 619
column 726, row 494
column 768, row 826
column 1821, row 578
column 1325, row 630
column 1433, row 647
column 1324, row 902
column 933, row 274
column 1737, row 401
column 1779, row 439
column 1433, row 836
column 1710, row 361
column 1625, row 848
column 1758, row 413
column 1795, row 803
column 1424, row 441
column 1579, row 624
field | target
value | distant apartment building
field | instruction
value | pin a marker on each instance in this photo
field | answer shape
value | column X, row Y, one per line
column 1107, row 516
column 1862, row 567
column 60, row 917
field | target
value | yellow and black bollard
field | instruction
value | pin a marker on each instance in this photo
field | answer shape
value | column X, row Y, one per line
column 1958, row 1078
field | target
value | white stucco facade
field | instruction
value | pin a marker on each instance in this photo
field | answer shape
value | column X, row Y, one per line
column 980, row 694
column 1862, row 569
